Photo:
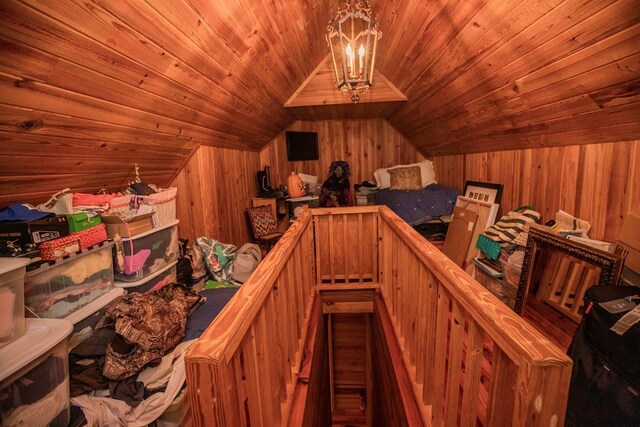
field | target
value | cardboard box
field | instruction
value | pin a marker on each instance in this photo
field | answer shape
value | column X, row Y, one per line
column 629, row 238
column 81, row 221
column 128, row 228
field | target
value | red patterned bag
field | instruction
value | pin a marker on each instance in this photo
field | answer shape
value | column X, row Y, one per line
column 91, row 236
column 58, row 248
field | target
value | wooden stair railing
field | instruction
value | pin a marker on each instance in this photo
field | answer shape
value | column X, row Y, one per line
column 449, row 325
column 470, row 358
column 243, row 369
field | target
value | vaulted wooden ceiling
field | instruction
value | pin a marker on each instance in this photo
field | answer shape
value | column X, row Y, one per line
column 93, row 85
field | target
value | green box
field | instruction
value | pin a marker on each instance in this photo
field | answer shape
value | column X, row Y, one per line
column 82, row 221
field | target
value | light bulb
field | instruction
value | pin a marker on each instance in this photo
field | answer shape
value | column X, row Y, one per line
column 349, row 51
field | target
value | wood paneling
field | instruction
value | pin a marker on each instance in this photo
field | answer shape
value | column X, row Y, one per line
column 349, row 364
column 318, row 89
column 87, row 88
column 599, row 183
column 365, row 144
column 487, row 75
column 214, row 189
column 393, row 397
column 311, row 405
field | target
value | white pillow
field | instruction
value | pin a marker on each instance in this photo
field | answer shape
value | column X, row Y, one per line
column 427, row 175
column 383, row 179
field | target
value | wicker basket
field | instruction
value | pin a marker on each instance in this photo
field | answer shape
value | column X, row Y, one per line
column 120, row 205
column 164, row 206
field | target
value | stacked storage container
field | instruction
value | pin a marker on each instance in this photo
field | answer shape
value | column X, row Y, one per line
column 58, row 288
column 153, row 281
column 34, row 376
column 12, row 272
column 89, row 315
column 147, row 259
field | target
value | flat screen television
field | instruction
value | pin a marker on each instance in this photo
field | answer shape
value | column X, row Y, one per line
column 302, row 146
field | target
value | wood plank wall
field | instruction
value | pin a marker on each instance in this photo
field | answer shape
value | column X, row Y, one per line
column 349, row 364
column 214, row 189
column 217, row 184
column 365, row 144
column 597, row 182
column 391, row 384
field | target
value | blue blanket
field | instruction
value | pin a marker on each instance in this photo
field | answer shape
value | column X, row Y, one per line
column 419, row 206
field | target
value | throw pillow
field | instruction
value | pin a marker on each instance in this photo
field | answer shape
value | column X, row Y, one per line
column 427, row 175
column 405, row 178
column 262, row 221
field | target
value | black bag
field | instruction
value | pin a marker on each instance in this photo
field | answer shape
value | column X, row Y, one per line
column 605, row 380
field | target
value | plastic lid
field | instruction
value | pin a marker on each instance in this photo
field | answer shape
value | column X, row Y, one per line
column 40, row 336
column 153, row 230
column 95, row 305
column 10, row 264
column 71, row 257
column 146, row 279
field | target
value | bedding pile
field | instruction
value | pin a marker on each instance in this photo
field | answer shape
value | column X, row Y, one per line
column 419, row 206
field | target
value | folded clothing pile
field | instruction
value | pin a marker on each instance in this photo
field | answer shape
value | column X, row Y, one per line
column 505, row 231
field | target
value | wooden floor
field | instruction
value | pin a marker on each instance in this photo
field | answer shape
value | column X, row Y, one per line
column 551, row 323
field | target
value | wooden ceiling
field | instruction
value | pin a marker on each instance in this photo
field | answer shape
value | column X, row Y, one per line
column 88, row 87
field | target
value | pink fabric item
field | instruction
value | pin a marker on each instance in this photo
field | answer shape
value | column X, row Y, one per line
column 136, row 262
column 84, row 199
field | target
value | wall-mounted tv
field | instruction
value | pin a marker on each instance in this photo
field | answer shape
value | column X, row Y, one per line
column 302, row 146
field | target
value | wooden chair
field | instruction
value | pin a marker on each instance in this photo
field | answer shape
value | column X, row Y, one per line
column 264, row 226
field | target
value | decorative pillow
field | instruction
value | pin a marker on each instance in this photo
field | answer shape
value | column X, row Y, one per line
column 427, row 175
column 382, row 178
column 262, row 221
column 405, row 178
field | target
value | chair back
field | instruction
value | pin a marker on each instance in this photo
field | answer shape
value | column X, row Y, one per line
column 262, row 221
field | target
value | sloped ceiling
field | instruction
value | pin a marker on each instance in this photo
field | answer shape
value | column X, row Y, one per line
column 318, row 90
column 88, row 87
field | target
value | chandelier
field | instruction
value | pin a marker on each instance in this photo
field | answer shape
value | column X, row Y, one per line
column 353, row 37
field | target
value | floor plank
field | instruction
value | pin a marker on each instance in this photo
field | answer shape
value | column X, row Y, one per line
column 551, row 323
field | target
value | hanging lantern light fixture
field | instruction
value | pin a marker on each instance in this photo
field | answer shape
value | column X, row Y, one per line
column 353, row 37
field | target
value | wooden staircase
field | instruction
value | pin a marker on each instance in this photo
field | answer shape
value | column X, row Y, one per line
column 354, row 298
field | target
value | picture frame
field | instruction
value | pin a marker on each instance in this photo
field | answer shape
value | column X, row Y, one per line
column 483, row 191
column 541, row 245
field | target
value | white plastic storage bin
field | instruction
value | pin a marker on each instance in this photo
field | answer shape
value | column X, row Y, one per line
column 154, row 281
column 57, row 289
column 140, row 256
column 89, row 314
column 12, row 271
column 34, row 376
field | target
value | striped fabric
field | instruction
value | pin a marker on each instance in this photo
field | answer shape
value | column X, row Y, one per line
column 511, row 225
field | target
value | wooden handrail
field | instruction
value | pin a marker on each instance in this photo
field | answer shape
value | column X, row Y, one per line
column 245, row 366
column 223, row 336
column 510, row 331
column 529, row 374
